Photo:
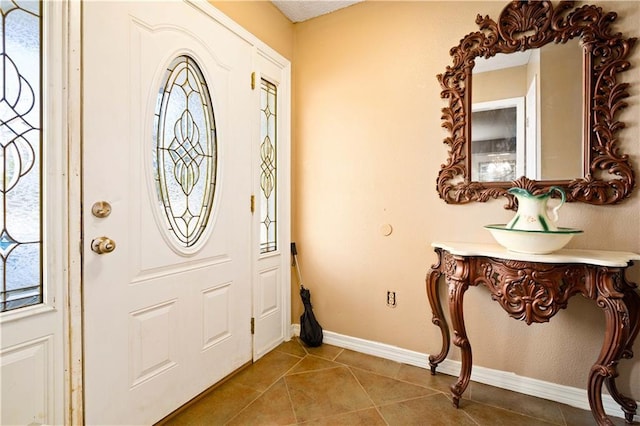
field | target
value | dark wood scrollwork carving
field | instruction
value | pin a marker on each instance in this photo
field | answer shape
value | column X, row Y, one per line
column 609, row 177
column 533, row 295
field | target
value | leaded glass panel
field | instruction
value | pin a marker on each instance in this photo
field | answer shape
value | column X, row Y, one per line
column 20, row 155
column 268, row 167
column 185, row 151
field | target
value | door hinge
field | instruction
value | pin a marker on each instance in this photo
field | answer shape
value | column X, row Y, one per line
column 253, row 203
column 253, row 80
column 253, row 325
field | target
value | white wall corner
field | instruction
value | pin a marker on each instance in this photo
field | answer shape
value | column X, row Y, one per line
column 568, row 395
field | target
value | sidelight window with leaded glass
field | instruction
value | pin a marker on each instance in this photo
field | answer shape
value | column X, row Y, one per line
column 21, row 138
column 185, row 151
column 268, row 167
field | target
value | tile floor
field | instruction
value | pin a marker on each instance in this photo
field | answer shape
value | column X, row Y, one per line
column 328, row 385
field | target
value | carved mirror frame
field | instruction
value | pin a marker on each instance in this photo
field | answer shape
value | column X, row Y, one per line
column 522, row 25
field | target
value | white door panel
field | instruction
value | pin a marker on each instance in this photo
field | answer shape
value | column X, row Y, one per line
column 161, row 325
column 271, row 285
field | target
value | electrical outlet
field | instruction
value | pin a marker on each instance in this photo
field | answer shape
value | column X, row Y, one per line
column 391, row 299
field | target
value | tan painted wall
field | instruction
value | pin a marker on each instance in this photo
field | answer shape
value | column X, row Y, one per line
column 368, row 147
column 500, row 84
column 262, row 19
column 561, row 111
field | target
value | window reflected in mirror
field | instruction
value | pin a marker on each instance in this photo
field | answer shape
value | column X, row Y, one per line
column 497, row 148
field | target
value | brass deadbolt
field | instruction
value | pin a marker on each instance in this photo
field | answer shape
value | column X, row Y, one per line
column 101, row 209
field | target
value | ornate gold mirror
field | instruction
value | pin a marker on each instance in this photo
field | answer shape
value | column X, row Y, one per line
column 556, row 126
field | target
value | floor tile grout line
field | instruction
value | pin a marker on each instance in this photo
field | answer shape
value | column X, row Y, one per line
column 293, row 408
column 245, row 407
column 397, row 379
column 413, row 398
column 464, row 411
column 564, row 417
column 206, row 393
column 342, row 414
column 309, row 354
column 373, row 405
column 368, row 396
column 519, row 413
column 333, row 359
column 298, row 353
column 284, row 376
column 269, row 387
column 435, row 392
column 314, row 370
column 470, row 417
column 488, row 404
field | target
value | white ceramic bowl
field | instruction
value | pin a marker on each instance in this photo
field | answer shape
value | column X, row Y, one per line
column 532, row 242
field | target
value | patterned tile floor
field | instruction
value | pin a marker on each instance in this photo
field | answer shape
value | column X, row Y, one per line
column 294, row 384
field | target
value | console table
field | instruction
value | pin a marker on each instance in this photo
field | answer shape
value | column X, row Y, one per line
column 533, row 288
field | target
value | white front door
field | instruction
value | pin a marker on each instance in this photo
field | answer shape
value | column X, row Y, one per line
column 167, row 312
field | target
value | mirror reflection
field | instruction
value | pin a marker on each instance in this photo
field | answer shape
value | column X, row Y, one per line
column 497, row 148
column 527, row 115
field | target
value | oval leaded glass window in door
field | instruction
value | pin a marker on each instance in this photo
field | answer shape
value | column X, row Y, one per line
column 185, row 151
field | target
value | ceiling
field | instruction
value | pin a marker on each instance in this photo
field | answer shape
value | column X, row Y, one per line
column 301, row 10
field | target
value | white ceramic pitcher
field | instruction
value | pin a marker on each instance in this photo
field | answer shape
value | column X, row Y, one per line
column 533, row 211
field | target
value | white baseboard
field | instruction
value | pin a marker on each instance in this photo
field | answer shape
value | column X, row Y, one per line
column 568, row 395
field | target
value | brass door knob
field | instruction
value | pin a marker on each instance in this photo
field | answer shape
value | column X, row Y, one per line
column 102, row 245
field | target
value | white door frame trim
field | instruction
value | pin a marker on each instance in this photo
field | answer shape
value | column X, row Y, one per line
column 74, row 391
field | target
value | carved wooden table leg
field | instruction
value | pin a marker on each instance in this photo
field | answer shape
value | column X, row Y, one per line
column 628, row 405
column 632, row 302
column 458, row 284
column 437, row 313
column 616, row 339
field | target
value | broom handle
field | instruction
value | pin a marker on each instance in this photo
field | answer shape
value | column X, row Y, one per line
column 294, row 252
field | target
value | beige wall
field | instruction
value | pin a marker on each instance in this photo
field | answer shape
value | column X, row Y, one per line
column 561, row 120
column 367, row 148
column 262, row 19
column 500, row 84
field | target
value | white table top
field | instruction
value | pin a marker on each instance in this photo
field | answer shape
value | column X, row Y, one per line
column 592, row 257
